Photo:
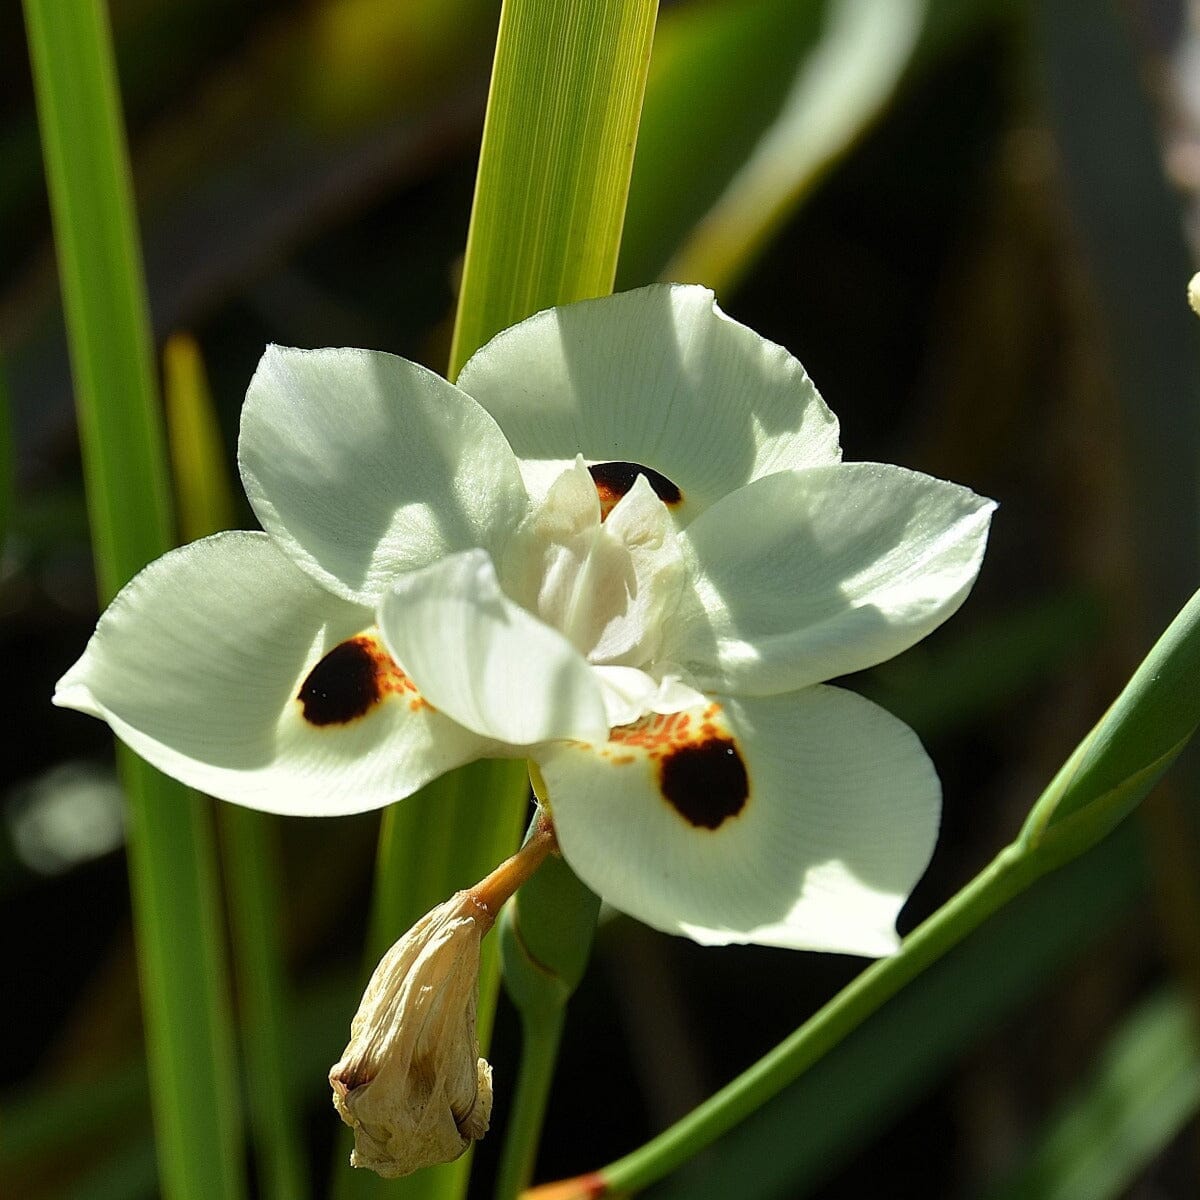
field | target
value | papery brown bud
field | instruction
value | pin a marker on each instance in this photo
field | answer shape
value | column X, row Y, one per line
column 411, row 1083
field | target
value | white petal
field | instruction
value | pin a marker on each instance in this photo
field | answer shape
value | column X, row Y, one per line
column 658, row 377
column 199, row 665
column 362, row 464
column 807, row 575
column 816, row 846
column 484, row 660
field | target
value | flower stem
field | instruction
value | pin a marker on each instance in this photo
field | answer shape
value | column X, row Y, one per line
column 539, row 1052
column 250, row 855
column 499, row 885
column 545, row 942
column 1005, row 877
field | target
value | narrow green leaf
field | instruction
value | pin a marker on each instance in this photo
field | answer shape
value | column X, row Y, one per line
column 840, row 86
column 1133, row 744
column 171, row 851
column 749, row 103
column 550, row 199
column 1144, row 1091
column 185, row 989
column 204, row 492
column 254, row 883
column 102, row 285
column 249, row 839
column 566, row 99
column 558, row 143
column 545, row 228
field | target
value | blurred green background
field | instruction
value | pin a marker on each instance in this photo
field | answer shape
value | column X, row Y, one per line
column 973, row 221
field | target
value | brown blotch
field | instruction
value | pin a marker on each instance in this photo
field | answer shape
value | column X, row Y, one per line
column 614, row 479
column 349, row 681
column 705, row 782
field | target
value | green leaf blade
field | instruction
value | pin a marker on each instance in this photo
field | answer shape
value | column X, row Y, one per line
column 103, row 287
column 1139, row 736
column 171, row 852
column 557, row 154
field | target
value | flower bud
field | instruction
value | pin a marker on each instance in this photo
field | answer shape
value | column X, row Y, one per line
column 411, row 1083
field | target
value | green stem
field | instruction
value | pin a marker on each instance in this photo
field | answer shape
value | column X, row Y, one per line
column 1006, row 876
column 252, row 875
column 539, row 1052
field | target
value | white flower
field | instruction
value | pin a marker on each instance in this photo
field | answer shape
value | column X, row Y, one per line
column 623, row 546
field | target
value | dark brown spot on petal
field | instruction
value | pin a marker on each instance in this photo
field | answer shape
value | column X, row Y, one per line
column 705, row 782
column 349, row 681
column 614, row 479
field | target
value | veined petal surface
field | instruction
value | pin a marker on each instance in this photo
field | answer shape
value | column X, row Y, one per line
column 362, row 465
column 658, row 378
column 484, row 660
column 799, row 820
column 209, row 665
column 807, row 575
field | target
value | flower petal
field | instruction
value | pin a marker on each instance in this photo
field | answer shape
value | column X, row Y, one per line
column 486, row 661
column 362, row 464
column 800, row 820
column 631, row 693
column 807, row 575
column 226, row 666
column 660, row 378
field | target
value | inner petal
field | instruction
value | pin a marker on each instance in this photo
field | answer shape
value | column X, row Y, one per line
column 606, row 586
column 615, row 479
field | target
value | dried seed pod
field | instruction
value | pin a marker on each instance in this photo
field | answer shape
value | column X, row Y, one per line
column 411, row 1083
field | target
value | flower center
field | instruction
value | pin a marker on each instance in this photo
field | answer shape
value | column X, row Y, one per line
column 605, row 584
column 614, row 479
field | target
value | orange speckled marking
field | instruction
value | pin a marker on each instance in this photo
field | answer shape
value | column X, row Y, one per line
column 658, row 734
